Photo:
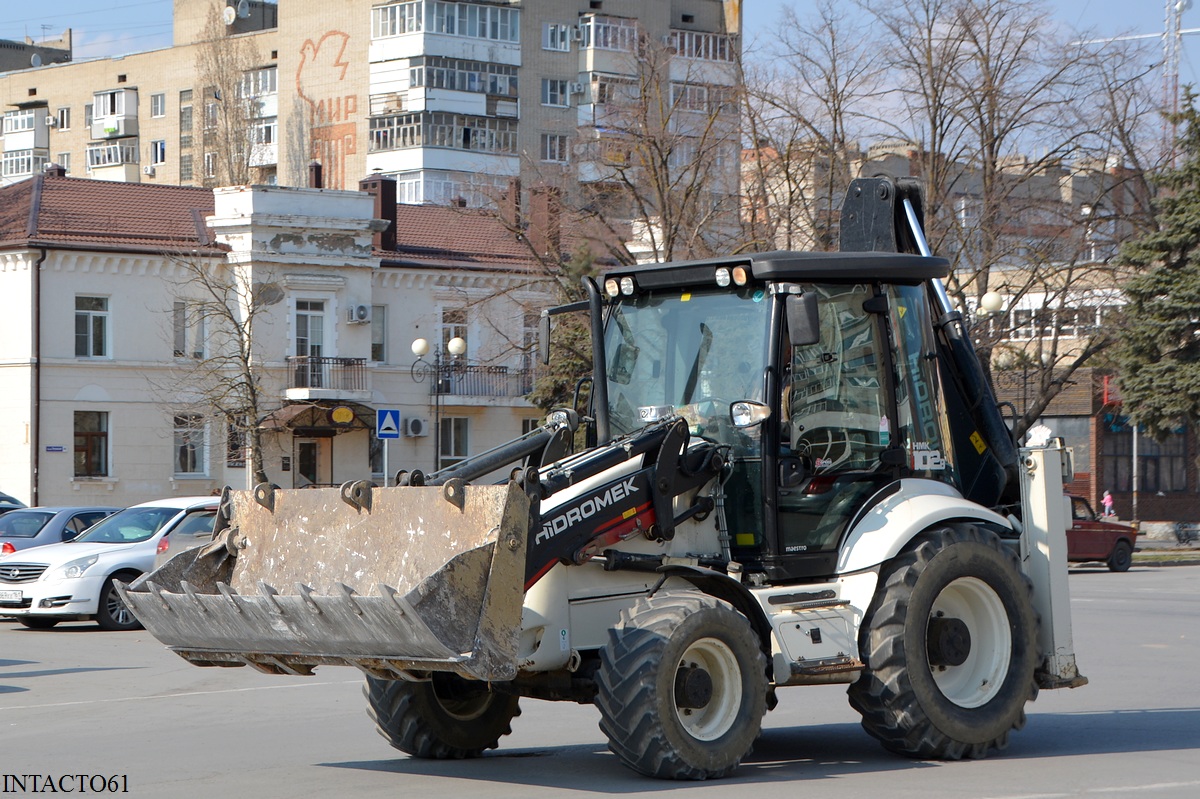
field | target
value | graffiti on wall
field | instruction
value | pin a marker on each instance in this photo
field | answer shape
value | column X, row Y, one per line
column 332, row 104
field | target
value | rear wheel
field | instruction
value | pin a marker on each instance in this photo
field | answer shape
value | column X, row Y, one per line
column 950, row 647
column 446, row 717
column 112, row 613
column 682, row 688
column 1121, row 557
column 37, row 622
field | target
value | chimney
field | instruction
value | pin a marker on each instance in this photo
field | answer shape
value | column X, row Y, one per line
column 510, row 206
column 383, row 189
column 545, row 210
column 55, row 171
column 315, row 178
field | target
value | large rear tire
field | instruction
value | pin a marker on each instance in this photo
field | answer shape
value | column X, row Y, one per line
column 444, row 718
column 682, row 688
column 1121, row 558
column 950, row 644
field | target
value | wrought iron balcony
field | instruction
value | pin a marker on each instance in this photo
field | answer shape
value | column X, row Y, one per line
column 318, row 372
column 467, row 380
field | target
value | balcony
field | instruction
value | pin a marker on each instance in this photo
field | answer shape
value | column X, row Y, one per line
column 313, row 377
column 465, row 380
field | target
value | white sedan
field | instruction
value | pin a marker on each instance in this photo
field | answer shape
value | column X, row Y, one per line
column 73, row 580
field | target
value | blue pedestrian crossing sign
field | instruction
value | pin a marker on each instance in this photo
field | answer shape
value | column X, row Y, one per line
column 387, row 423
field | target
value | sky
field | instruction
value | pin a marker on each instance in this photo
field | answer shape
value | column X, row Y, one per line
column 114, row 27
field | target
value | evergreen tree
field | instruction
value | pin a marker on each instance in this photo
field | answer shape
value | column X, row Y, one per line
column 1158, row 354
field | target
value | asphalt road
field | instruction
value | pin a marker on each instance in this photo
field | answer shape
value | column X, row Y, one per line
column 78, row 701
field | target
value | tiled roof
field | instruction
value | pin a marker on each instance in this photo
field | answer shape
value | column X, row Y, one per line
column 98, row 214
column 439, row 234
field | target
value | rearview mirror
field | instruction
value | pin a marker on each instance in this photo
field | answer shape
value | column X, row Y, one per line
column 804, row 321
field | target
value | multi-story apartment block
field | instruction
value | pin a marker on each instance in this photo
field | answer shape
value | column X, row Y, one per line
column 453, row 99
column 115, row 361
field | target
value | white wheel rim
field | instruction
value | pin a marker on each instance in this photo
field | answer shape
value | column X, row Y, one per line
column 979, row 678
column 718, row 716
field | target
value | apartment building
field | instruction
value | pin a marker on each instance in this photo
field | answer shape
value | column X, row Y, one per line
column 111, row 357
column 453, row 99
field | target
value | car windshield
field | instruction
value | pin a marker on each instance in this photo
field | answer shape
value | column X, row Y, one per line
column 23, row 523
column 129, row 526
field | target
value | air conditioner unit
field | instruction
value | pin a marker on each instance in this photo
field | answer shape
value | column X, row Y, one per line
column 148, row 170
column 576, row 87
column 358, row 314
column 577, row 34
column 415, row 427
column 51, row 121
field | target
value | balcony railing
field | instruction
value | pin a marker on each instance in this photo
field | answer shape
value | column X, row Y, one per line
column 482, row 381
column 345, row 374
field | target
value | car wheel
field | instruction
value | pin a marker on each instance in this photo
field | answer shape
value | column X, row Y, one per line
column 38, row 622
column 1121, row 557
column 113, row 613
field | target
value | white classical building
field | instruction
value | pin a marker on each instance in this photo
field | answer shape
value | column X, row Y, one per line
column 105, row 363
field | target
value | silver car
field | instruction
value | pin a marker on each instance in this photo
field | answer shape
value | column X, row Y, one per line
column 32, row 527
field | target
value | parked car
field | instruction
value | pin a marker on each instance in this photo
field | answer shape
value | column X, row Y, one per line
column 32, row 527
column 8, row 503
column 73, row 580
column 1092, row 538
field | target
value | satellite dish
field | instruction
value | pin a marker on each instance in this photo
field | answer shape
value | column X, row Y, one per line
column 35, row 60
column 243, row 8
column 267, row 294
column 229, row 15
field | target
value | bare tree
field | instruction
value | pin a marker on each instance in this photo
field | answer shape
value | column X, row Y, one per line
column 225, row 67
column 221, row 377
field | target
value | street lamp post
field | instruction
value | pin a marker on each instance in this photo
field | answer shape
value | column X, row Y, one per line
column 422, row 369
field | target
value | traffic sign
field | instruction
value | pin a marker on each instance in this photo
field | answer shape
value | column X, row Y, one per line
column 387, row 423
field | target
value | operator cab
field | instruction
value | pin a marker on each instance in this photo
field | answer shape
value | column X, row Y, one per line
column 816, row 371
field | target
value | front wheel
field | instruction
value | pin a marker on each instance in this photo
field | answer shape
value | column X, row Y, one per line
column 113, row 613
column 445, row 717
column 682, row 688
column 950, row 643
column 1121, row 557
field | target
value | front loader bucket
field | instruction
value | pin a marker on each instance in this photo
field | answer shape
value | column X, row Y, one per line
column 391, row 580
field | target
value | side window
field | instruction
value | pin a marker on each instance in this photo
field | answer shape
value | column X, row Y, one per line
column 196, row 524
column 81, row 522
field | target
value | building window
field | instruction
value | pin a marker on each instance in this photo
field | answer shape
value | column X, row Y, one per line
column 529, row 425
column 235, row 443
column 379, row 333
column 461, row 75
column 188, row 329
column 158, row 105
column 91, row 327
column 91, row 444
column 1162, row 466
column 554, row 92
column 556, row 36
column 185, row 168
column 101, row 155
column 455, row 19
column 64, row 160
column 158, row 151
column 88, row 116
column 454, row 325
column 264, row 131
column 375, row 455
column 22, row 162
column 109, row 104
column 189, row 445
column 453, row 445
column 18, row 121
column 210, row 165
column 610, row 33
column 62, row 119
column 259, row 83
column 555, row 147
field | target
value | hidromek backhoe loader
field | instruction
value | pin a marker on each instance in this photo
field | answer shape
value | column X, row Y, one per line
column 799, row 476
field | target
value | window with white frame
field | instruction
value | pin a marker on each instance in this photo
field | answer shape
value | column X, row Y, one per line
column 62, row 118
column 91, row 327
column 210, row 165
column 454, row 19
column 91, row 443
column 109, row 104
column 158, row 105
column 88, row 115
column 158, row 151
column 259, row 83
column 379, row 333
column 22, row 162
column 453, row 446
column 111, row 154
column 610, row 33
column 554, row 92
column 264, row 130
column 555, row 148
column 63, row 160
column 18, row 121
column 187, row 323
column 190, row 456
column 453, row 325
column 556, row 36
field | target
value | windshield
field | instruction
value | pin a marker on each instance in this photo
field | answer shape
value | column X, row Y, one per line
column 23, row 523
column 690, row 353
column 129, row 526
